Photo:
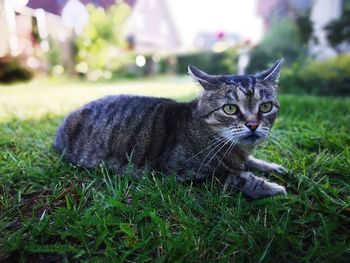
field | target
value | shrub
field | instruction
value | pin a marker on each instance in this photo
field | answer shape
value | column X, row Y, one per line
column 283, row 40
column 12, row 70
column 213, row 63
column 329, row 77
column 53, row 55
column 102, row 45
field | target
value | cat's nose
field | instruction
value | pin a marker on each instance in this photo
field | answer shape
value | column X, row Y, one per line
column 252, row 125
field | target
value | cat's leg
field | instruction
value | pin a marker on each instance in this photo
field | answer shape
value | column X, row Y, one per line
column 191, row 174
column 126, row 169
column 253, row 186
column 264, row 166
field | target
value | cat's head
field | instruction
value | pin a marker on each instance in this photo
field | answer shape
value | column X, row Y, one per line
column 239, row 108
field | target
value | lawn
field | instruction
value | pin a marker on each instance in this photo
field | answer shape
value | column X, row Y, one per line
column 52, row 211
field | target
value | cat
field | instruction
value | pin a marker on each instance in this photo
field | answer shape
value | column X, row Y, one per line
column 213, row 135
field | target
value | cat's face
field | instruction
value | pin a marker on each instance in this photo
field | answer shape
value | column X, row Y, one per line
column 241, row 109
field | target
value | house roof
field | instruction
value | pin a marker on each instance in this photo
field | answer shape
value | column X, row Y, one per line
column 56, row 6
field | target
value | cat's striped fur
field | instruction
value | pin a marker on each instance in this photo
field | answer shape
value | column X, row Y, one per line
column 195, row 140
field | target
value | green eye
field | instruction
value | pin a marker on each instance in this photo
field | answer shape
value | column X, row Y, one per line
column 230, row 109
column 265, row 107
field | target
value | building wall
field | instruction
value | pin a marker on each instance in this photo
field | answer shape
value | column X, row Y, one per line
column 30, row 49
column 323, row 12
column 4, row 49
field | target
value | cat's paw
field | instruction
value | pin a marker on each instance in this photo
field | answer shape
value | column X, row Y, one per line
column 278, row 168
column 276, row 189
column 270, row 189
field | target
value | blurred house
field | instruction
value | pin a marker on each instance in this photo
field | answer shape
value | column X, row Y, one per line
column 216, row 41
column 321, row 13
column 151, row 28
column 56, row 6
column 37, row 26
column 32, row 27
column 28, row 33
column 15, row 30
column 275, row 10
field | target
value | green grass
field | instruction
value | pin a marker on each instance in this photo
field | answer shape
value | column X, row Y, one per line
column 50, row 210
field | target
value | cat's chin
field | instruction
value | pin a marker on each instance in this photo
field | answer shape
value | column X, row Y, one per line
column 251, row 140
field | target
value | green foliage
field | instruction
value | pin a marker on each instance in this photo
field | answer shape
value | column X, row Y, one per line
column 53, row 54
column 282, row 40
column 52, row 211
column 213, row 63
column 305, row 27
column 329, row 77
column 338, row 30
column 12, row 70
column 101, row 45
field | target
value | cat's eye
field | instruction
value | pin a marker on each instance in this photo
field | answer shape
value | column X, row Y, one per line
column 265, row 107
column 230, row 109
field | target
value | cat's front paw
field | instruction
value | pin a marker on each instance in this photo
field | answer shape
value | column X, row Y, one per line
column 278, row 168
column 270, row 189
column 277, row 189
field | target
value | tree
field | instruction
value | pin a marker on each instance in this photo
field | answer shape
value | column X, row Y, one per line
column 281, row 41
column 305, row 27
column 101, row 45
column 338, row 30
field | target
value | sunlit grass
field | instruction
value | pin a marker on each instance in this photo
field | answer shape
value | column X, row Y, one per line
column 40, row 98
column 53, row 211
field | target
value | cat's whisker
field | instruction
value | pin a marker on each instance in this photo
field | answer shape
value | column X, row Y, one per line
column 219, row 145
column 239, row 134
column 215, row 141
column 204, row 164
column 230, row 148
column 234, row 130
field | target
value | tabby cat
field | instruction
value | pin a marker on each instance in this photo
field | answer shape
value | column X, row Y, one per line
column 211, row 136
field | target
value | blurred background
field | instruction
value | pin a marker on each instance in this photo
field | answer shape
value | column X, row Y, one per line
column 112, row 40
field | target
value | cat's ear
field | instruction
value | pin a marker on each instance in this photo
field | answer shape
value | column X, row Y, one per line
column 272, row 74
column 205, row 80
